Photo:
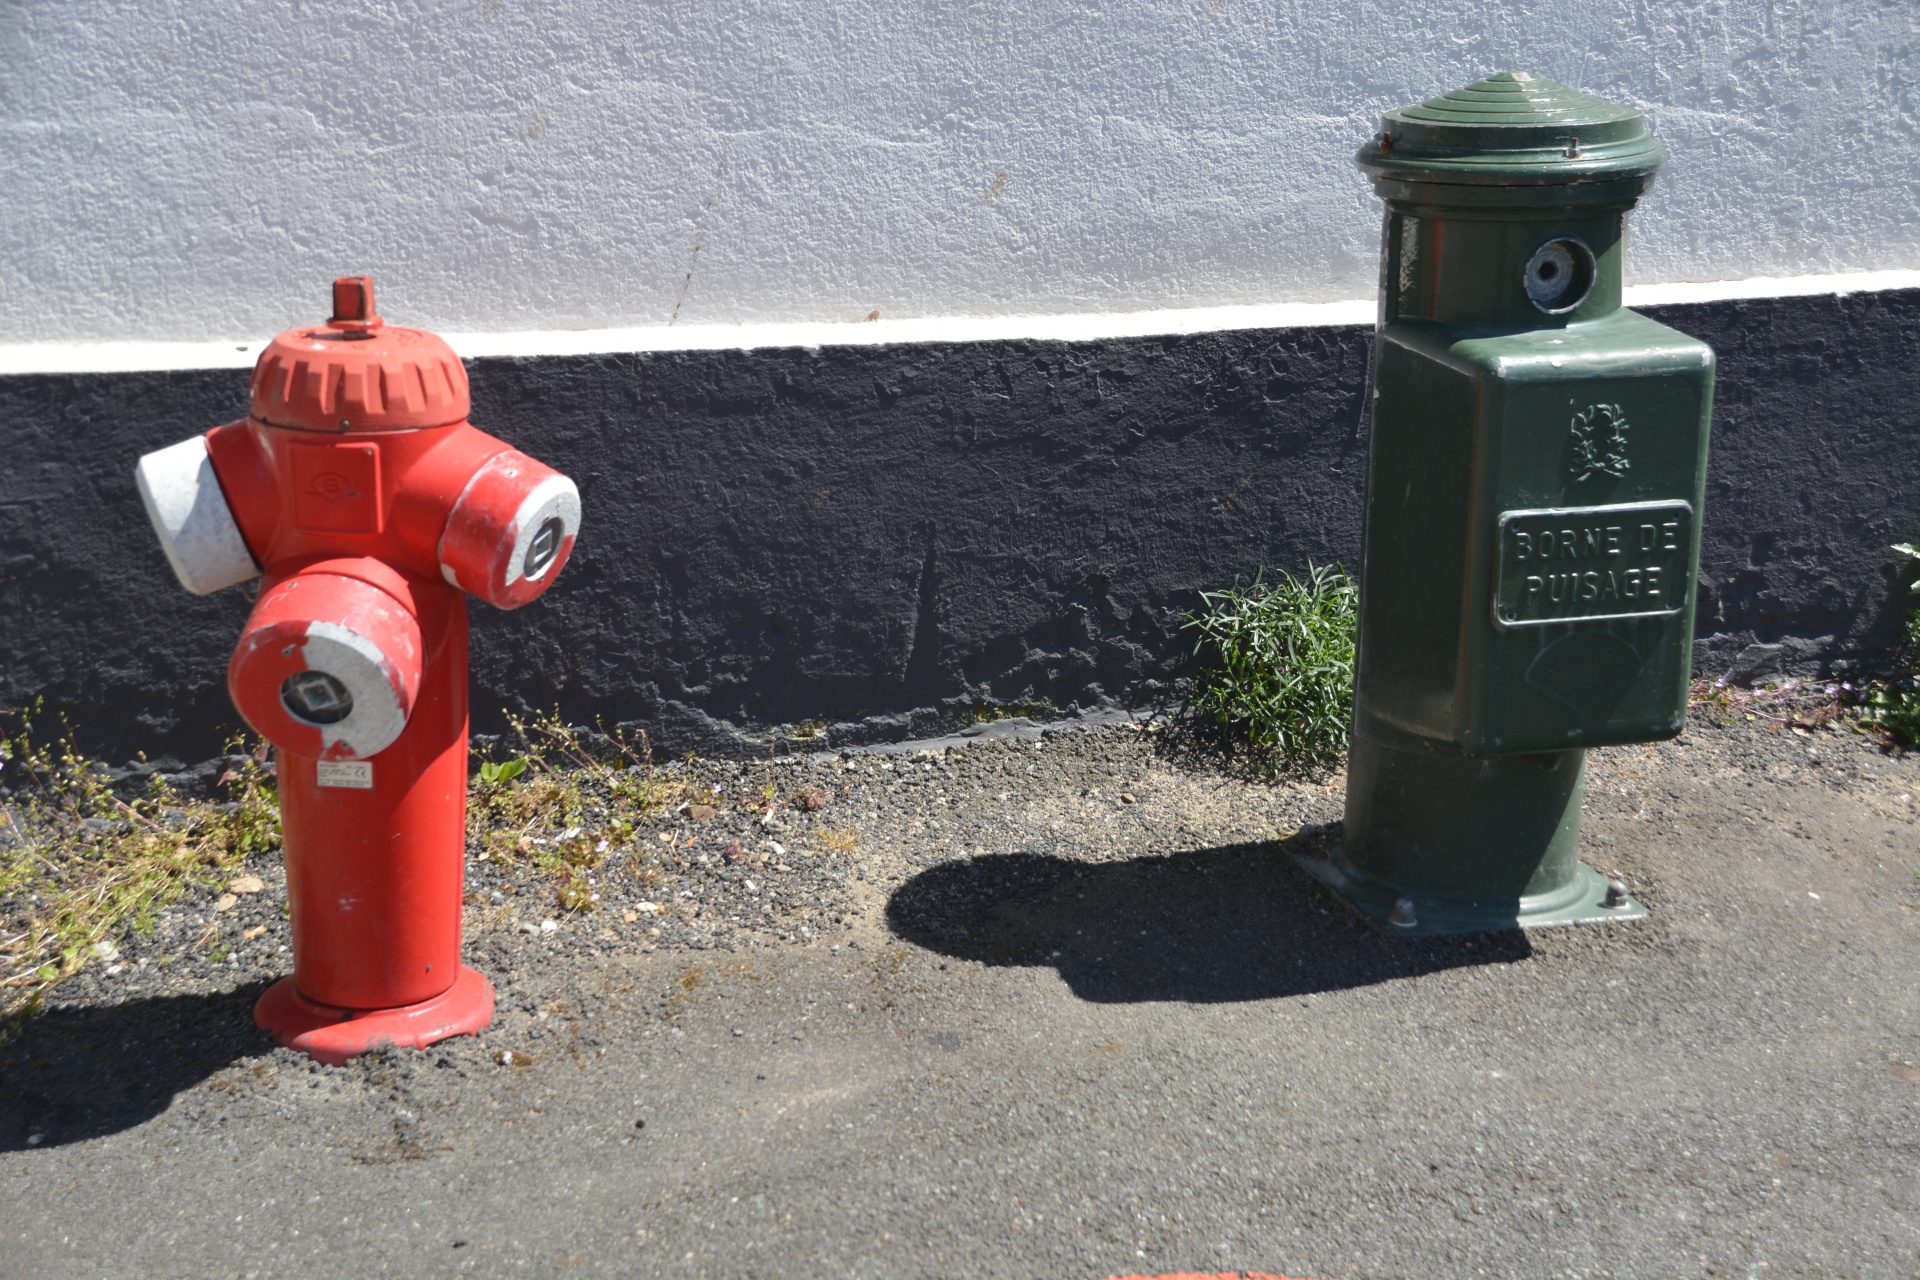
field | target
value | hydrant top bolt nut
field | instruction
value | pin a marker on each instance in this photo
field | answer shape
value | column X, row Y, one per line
column 353, row 306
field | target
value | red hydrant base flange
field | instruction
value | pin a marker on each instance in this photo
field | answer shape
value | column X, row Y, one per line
column 332, row 1035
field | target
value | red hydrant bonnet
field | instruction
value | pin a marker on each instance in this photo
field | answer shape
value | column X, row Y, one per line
column 357, row 373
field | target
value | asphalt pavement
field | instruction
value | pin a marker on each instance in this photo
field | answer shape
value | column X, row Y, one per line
column 1049, row 1053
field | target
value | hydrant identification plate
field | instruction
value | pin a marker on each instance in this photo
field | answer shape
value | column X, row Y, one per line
column 356, row 775
column 1567, row 564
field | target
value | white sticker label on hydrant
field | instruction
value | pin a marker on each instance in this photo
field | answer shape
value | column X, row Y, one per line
column 357, row 774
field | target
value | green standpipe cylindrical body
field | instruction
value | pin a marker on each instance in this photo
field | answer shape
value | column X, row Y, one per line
column 1534, row 487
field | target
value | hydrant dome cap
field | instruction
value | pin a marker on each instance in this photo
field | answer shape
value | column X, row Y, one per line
column 355, row 372
column 1513, row 129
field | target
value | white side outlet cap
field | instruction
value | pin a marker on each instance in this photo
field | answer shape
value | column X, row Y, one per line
column 191, row 518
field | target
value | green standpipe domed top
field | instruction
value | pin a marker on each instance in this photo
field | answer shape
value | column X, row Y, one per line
column 1514, row 130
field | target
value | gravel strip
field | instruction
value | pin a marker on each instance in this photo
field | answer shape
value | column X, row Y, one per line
column 818, row 865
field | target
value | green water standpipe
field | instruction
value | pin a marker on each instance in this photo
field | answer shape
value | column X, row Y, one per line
column 1534, row 488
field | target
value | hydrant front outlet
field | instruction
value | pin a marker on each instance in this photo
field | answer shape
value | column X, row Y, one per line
column 1534, row 488
column 371, row 508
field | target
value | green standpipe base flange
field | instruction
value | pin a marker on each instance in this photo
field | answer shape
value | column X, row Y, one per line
column 1440, row 844
column 1583, row 901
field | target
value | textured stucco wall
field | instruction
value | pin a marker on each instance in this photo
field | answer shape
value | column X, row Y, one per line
column 885, row 537
column 190, row 168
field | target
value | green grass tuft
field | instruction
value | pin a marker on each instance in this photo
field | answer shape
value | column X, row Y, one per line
column 1279, row 667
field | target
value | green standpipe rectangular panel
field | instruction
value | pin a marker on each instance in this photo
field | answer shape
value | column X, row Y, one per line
column 1538, row 504
column 1534, row 499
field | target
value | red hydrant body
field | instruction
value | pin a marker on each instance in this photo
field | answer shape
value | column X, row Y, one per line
column 370, row 507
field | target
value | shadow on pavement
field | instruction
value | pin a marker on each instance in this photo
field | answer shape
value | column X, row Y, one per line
column 1239, row 922
column 80, row 1072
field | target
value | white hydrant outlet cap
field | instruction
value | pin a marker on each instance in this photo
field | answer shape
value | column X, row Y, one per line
column 191, row 517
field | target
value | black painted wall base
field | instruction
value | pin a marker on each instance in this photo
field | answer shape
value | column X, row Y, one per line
column 881, row 541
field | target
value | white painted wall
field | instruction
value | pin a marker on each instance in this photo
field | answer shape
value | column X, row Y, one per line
column 193, row 169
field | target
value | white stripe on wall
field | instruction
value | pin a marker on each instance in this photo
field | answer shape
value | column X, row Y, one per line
column 135, row 357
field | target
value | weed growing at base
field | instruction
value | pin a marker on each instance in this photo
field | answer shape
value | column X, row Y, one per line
column 1280, row 669
column 988, row 713
column 568, row 809
column 1890, row 705
column 1792, row 703
column 563, row 806
column 78, row 863
column 1893, row 706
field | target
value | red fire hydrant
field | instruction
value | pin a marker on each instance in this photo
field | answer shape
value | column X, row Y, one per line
column 370, row 508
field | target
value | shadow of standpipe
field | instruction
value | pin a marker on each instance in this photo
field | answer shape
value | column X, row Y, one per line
column 82, row 1072
column 1237, row 922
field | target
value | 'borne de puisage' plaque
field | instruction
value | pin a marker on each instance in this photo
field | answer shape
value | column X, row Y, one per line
column 1572, row 564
